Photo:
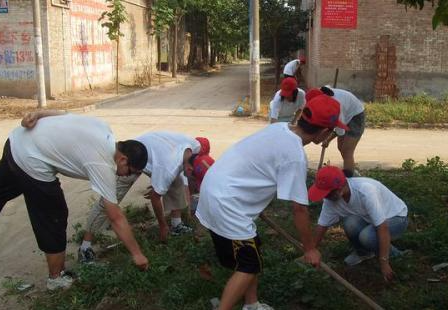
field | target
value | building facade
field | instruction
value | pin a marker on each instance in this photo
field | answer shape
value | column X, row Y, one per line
column 76, row 50
column 420, row 54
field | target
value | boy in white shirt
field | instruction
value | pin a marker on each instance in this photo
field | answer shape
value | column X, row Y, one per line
column 76, row 146
column 372, row 215
column 170, row 157
column 241, row 184
column 294, row 69
column 352, row 114
column 287, row 103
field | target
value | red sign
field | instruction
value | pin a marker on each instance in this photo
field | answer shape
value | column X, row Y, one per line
column 339, row 14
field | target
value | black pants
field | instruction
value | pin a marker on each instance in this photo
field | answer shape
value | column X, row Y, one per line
column 45, row 203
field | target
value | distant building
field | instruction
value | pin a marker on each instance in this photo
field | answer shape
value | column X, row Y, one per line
column 417, row 59
column 77, row 52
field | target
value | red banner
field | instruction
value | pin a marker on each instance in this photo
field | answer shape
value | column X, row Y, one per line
column 339, row 14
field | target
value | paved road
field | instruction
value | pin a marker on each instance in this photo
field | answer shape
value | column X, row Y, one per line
column 198, row 107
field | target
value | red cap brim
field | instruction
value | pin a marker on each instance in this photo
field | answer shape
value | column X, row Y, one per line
column 317, row 194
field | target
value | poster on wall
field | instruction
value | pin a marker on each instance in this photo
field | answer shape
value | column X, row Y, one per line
column 339, row 14
column 3, row 6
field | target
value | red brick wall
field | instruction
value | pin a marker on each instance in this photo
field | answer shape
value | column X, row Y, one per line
column 419, row 48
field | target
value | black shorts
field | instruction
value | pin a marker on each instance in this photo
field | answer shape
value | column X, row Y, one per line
column 45, row 203
column 239, row 255
column 356, row 125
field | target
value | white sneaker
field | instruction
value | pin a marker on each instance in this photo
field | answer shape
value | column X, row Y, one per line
column 257, row 306
column 64, row 281
column 355, row 259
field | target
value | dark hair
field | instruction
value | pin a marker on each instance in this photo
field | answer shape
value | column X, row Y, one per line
column 136, row 153
column 295, row 92
column 192, row 158
column 307, row 127
column 327, row 91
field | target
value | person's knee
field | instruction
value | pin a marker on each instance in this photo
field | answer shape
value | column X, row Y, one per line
column 367, row 238
column 352, row 225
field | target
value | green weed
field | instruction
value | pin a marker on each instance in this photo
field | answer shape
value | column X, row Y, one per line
column 175, row 281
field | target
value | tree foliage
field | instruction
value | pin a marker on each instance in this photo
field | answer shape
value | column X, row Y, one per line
column 114, row 17
column 441, row 10
column 284, row 22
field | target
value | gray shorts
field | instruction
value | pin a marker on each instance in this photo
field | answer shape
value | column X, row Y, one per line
column 356, row 125
column 174, row 199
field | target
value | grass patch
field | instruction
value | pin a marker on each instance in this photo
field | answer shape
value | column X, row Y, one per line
column 420, row 109
column 185, row 274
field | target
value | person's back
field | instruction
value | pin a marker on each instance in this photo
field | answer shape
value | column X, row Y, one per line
column 165, row 156
column 350, row 104
column 370, row 199
column 246, row 178
column 69, row 144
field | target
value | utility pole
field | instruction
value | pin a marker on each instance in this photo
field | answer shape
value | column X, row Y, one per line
column 254, row 56
column 41, row 98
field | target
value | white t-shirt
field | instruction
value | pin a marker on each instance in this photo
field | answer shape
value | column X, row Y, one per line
column 284, row 111
column 76, row 146
column 291, row 67
column 166, row 156
column 369, row 199
column 350, row 106
column 241, row 184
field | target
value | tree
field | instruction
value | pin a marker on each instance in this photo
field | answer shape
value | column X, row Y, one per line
column 114, row 18
column 280, row 26
column 440, row 14
column 168, row 14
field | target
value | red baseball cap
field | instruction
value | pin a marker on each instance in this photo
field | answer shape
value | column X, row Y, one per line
column 200, row 166
column 289, row 84
column 324, row 112
column 313, row 92
column 327, row 179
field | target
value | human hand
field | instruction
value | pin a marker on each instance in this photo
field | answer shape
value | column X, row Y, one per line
column 163, row 233
column 325, row 144
column 386, row 270
column 141, row 262
column 312, row 257
column 30, row 120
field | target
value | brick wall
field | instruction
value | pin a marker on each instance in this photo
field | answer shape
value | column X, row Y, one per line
column 422, row 54
column 17, row 69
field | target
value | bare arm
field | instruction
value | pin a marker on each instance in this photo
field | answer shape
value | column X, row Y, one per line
column 303, row 226
column 30, row 119
column 156, row 201
column 384, row 246
column 320, row 233
column 123, row 230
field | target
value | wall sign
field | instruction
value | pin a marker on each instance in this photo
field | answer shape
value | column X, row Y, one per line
column 339, row 14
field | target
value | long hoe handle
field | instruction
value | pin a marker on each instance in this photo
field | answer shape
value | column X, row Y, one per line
column 321, row 160
column 323, row 266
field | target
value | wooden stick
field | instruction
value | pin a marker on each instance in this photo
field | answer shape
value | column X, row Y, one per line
column 323, row 266
column 336, row 74
column 321, row 160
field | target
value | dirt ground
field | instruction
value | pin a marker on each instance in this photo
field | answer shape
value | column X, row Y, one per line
column 11, row 108
column 198, row 107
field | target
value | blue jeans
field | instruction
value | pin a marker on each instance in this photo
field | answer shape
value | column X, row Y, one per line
column 363, row 236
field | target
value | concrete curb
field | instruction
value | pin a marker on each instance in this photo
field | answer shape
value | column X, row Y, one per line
column 133, row 94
